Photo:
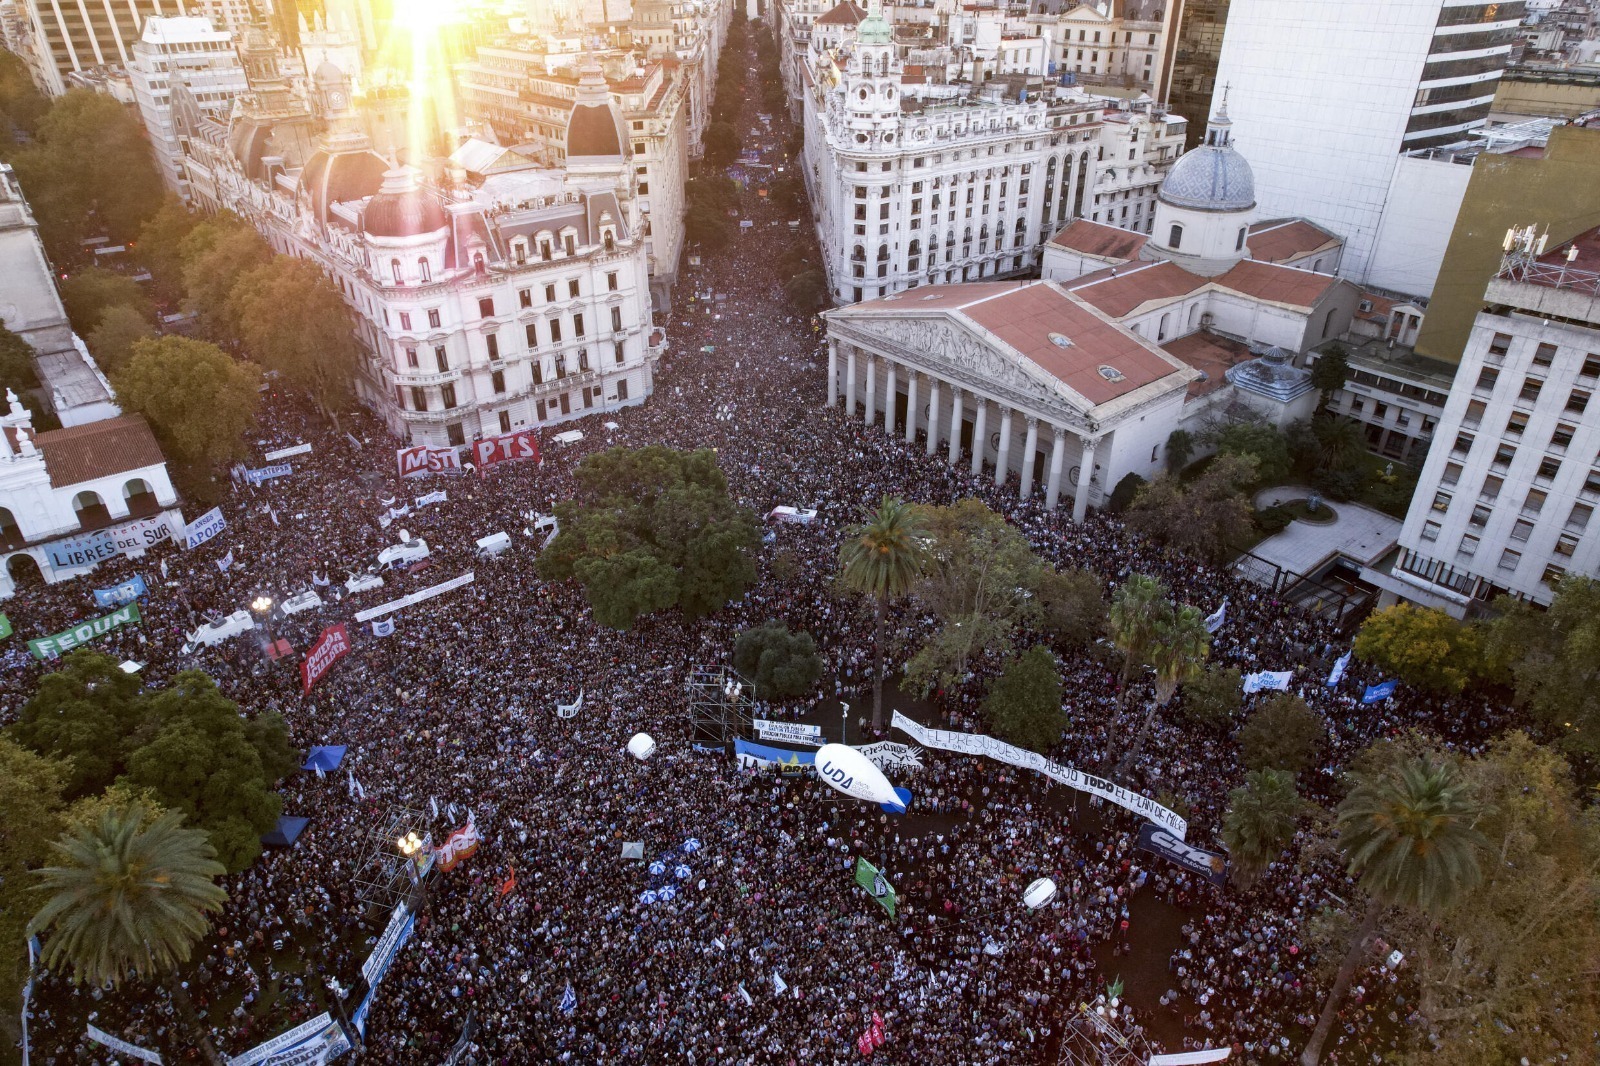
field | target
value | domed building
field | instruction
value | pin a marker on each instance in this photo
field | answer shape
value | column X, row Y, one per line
column 1205, row 204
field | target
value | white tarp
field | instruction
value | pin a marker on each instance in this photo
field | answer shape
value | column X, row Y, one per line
column 801, row 515
column 1190, row 1058
column 1000, row 751
column 571, row 436
column 214, row 633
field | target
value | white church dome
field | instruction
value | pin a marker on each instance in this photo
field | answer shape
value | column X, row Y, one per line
column 1212, row 176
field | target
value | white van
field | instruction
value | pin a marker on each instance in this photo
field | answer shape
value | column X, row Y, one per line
column 800, row 515
column 493, row 544
column 214, row 633
column 403, row 554
column 362, row 582
column 301, row 601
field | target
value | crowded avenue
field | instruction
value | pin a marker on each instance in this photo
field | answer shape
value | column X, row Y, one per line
column 541, row 946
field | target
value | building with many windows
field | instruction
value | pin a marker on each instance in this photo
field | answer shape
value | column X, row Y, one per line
column 189, row 58
column 513, row 296
column 1510, row 489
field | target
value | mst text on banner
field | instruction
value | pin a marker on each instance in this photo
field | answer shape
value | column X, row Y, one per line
column 999, row 750
column 415, row 462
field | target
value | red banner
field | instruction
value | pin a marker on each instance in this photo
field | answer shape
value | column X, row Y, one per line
column 462, row 844
column 415, row 462
column 523, row 444
column 333, row 645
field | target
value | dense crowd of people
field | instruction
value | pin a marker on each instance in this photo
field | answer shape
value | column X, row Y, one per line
column 769, row 952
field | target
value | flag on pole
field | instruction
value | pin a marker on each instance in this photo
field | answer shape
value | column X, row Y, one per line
column 778, row 984
column 1214, row 620
column 383, row 628
column 1382, row 691
column 435, row 804
column 225, row 562
column 1267, row 679
column 747, row 1000
column 878, row 887
column 1340, row 665
column 569, row 1001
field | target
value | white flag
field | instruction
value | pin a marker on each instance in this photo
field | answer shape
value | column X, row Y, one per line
column 435, row 804
column 1268, row 680
column 778, row 984
column 350, row 782
column 747, row 1000
column 383, row 628
column 163, row 569
column 225, row 562
column 1214, row 621
column 1339, row 667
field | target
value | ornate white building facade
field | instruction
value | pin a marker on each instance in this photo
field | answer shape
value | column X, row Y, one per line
column 483, row 303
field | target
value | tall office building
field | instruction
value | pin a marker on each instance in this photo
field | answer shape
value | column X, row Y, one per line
column 1196, row 46
column 72, row 35
column 182, row 63
column 1336, row 95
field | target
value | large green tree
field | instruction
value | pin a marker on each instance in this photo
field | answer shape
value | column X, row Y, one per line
column 22, row 105
column 130, row 896
column 216, row 254
column 780, row 663
column 30, row 817
column 160, row 246
column 1282, row 733
column 1329, row 372
column 111, row 342
column 88, row 171
column 1259, row 822
column 1177, row 654
column 1072, row 604
column 882, row 558
column 1024, row 703
column 1136, row 606
column 292, row 320
column 1261, row 442
column 1209, row 516
column 198, row 399
column 199, row 756
column 17, row 371
column 1408, row 837
column 1213, row 698
column 1553, row 657
column 1509, row 971
column 978, row 577
column 1422, row 646
column 651, row 528
column 89, row 293
column 83, row 714
column 722, row 144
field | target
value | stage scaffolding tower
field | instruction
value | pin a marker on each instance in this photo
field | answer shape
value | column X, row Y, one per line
column 720, row 705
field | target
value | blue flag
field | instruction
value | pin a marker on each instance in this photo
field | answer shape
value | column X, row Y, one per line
column 569, row 1001
column 1378, row 692
column 1340, row 665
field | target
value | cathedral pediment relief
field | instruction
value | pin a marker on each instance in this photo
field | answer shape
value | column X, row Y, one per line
column 949, row 350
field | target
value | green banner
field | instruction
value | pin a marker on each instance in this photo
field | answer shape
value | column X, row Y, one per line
column 878, row 887
column 5, row 627
column 52, row 646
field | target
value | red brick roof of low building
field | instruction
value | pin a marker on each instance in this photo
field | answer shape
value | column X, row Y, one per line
column 845, row 14
column 98, row 449
column 1099, row 240
column 1281, row 241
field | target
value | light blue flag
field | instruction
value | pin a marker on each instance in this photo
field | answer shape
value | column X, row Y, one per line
column 1339, row 667
column 1378, row 692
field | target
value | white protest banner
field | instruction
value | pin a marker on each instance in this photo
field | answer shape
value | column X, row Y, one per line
column 285, row 453
column 204, row 528
column 401, row 925
column 267, row 473
column 1191, row 1058
column 91, row 548
column 122, row 1047
column 789, row 732
column 888, row 755
column 999, row 750
column 417, row 597
column 314, row 1042
column 433, row 497
column 1340, row 665
column 1276, row 680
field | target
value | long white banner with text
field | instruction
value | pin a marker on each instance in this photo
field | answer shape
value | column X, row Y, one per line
column 999, row 750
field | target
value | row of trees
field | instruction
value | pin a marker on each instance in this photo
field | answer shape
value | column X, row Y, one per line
column 1550, row 659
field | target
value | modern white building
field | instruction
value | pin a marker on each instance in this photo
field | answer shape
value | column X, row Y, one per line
column 484, row 303
column 65, row 37
column 1510, row 489
column 1335, row 94
column 190, row 58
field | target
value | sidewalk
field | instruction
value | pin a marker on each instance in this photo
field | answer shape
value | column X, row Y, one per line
column 1358, row 532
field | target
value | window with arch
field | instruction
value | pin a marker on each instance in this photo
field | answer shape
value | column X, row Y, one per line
column 424, row 271
column 10, row 533
column 394, row 270
column 90, row 508
column 1175, row 237
column 609, row 239
column 139, row 496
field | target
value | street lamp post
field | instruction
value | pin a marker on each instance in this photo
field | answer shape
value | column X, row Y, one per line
column 844, row 722
column 262, row 605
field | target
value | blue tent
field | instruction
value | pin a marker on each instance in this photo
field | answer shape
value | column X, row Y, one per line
column 288, row 831
column 324, row 758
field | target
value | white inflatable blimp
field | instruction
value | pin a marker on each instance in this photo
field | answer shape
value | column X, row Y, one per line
column 641, row 747
column 1039, row 893
column 847, row 770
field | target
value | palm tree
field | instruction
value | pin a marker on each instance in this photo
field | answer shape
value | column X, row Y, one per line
column 1259, row 822
column 1177, row 649
column 1408, row 837
column 1339, row 441
column 1136, row 607
column 130, row 897
column 883, row 557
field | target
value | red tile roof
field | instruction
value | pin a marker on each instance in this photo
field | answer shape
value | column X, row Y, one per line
column 1119, row 290
column 1381, row 306
column 1025, row 317
column 1099, row 240
column 1212, row 355
column 1277, row 284
column 1280, row 242
column 98, row 449
column 845, row 14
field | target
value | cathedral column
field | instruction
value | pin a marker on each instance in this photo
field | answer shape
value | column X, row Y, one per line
column 933, row 416
column 980, row 435
column 1057, row 456
column 1028, row 451
column 872, row 388
column 1003, row 462
column 911, row 405
column 955, row 424
column 889, row 396
column 833, row 372
column 850, row 382
column 1080, row 502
